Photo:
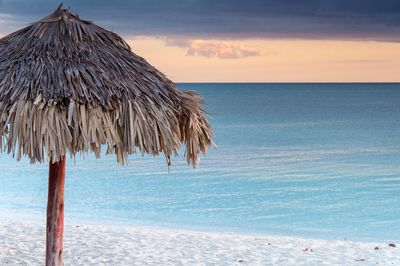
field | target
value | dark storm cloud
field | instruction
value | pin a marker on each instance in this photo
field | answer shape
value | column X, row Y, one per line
column 319, row 19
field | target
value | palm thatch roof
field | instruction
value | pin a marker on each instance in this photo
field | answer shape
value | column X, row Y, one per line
column 67, row 84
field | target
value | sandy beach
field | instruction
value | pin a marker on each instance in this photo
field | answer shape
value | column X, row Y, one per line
column 23, row 244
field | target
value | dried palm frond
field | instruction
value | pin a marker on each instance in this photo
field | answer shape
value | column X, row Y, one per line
column 68, row 85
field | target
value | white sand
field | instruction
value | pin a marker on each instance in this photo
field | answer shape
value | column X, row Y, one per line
column 23, row 244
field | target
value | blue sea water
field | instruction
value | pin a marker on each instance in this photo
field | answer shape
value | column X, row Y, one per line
column 310, row 160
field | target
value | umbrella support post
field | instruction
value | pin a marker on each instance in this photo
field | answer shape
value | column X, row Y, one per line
column 55, row 214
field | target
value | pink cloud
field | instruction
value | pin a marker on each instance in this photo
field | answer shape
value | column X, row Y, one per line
column 217, row 49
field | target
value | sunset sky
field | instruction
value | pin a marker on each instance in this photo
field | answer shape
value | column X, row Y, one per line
column 245, row 41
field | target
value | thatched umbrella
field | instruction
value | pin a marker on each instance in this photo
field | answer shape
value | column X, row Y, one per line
column 68, row 85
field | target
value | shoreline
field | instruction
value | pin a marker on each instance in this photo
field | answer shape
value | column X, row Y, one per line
column 22, row 243
column 7, row 215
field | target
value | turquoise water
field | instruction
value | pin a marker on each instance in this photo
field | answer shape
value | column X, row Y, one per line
column 313, row 160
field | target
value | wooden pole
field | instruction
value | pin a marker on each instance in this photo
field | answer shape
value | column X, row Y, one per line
column 55, row 214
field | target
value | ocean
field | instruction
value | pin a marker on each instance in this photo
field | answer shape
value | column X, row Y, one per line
column 308, row 160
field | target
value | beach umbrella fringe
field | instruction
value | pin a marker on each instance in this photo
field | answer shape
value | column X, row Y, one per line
column 48, row 131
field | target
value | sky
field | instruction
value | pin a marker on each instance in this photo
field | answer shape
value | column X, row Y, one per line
column 245, row 41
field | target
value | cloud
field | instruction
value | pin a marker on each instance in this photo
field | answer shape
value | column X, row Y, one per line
column 218, row 49
column 6, row 22
column 306, row 19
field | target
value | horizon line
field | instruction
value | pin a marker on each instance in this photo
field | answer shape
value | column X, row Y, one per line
column 287, row 82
